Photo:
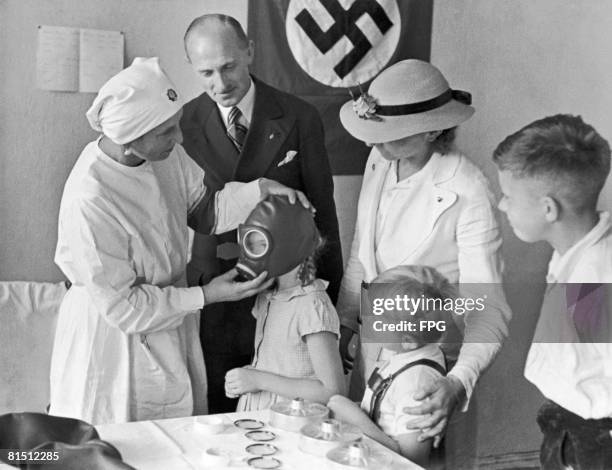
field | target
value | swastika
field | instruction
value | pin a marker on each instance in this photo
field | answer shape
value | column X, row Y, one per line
column 344, row 25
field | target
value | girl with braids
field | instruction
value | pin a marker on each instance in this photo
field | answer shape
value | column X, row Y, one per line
column 297, row 331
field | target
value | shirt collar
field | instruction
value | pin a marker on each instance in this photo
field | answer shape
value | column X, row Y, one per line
column 245, row 106
column 561, row 266
column 427, row 170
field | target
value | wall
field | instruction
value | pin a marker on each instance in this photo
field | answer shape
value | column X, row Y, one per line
column 42, row 132
column 522, row 60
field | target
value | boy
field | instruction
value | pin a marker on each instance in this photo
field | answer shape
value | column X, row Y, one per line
column 413, row 360
column 551, row 173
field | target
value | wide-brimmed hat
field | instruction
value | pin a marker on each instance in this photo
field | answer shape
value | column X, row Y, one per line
column 408, row 98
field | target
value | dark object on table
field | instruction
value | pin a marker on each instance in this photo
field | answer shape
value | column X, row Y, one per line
column 56, row 443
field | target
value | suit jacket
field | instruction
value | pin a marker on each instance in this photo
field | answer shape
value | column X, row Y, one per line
column 280, row 123
column 454, row 229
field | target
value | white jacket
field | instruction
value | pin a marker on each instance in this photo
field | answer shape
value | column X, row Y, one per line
column 126, row 343
column 452, row 228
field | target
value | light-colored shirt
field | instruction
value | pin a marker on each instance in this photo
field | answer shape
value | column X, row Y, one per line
column 398, row 200
column 392, row 419
column 284, row 319
column 245, row 106
column 125, row 341
column 577, row 376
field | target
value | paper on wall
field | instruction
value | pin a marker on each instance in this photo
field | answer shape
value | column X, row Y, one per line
column 100, row 57
column 57, row 61
column 75, row 59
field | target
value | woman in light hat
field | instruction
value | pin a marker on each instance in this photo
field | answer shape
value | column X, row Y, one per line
column 422, row 203
column 126, row 344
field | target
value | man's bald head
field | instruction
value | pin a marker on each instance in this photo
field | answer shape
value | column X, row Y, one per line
column 220, row 53
column 212, row 24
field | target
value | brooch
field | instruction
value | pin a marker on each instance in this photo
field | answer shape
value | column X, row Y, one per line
column 172, row 96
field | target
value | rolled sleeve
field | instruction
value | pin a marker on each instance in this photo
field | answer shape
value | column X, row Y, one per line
column 234, row 203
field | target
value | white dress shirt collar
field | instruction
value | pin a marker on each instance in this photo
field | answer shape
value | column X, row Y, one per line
column 561, row 266
column 245, row 106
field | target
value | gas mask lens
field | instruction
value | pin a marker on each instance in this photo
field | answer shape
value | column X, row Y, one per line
column 255, row 243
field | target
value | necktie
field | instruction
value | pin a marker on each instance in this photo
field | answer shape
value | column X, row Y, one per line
column 236, row 130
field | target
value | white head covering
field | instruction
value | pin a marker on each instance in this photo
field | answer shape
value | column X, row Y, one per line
column 136, row 100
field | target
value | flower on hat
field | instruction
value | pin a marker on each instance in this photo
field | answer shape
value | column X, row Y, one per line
column 365, row 107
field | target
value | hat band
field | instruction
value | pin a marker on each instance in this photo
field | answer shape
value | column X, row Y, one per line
column 422, row 106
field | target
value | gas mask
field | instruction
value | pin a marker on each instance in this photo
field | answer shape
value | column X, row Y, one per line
column 276, row 237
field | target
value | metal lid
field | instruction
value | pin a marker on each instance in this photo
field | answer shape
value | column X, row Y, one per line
column 359, row 455
column 264, row 462
column 331, row 430
column 300, row 407
column 261, row 449
column 260, row 435
column 248, row 424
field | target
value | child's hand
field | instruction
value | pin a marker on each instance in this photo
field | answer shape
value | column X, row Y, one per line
column 241, row 380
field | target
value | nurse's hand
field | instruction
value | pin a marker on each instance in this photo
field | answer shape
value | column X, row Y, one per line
column 241, row 380
column 225, row 288
column 268, row 187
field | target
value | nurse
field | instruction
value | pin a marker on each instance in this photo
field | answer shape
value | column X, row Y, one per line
column 126, row 344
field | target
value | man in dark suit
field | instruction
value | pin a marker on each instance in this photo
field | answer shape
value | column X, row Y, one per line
column 238, row 130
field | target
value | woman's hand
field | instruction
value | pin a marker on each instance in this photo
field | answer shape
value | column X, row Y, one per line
column 224, row 288
column 241, row 380
column 439, row 401
column 268, row 187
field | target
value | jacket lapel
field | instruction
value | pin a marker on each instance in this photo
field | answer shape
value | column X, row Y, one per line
column 268, row 131
column 367, row 228
column 207, row 143
column 435, row 201
column 226, row 154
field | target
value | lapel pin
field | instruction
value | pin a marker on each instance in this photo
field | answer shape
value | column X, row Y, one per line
column 271, row 136
column 439, row 199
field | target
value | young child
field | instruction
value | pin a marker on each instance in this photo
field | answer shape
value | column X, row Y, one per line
column 551, row 173
column 414, row 360
column 296, row 336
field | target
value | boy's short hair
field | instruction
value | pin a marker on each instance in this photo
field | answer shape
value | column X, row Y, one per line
column 415, row 281
column 565, row 152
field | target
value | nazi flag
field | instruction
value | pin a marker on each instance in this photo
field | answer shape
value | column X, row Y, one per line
column 317, row 49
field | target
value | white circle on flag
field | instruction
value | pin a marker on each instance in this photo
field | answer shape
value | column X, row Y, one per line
column 319, row 65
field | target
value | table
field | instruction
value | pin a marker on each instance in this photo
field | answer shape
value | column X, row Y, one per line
column 174, row 444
